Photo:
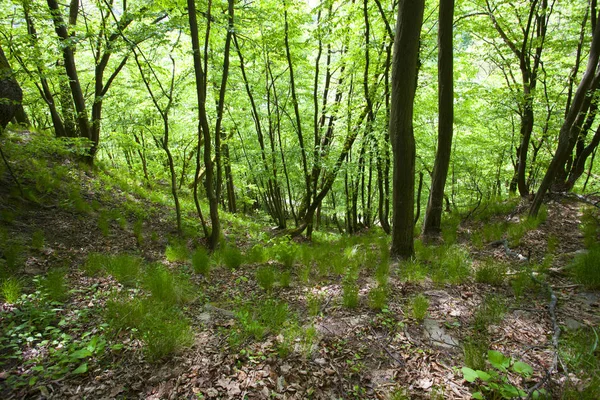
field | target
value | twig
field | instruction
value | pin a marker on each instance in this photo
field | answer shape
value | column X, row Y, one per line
column 400, row 362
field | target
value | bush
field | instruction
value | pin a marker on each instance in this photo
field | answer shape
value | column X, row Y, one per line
column 586, row 268
column 201, row 261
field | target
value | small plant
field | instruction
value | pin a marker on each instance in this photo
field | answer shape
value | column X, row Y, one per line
column 419, row 305
column 493, row 232
column 412, row 270
column 166, row 287
column 265, row 276
column 494, row 383
column 104, row 223
column 54, row 285
column 382, row 273
column 378, row 297
column 452, row 265
column 165, row 333
column 138, row 231
column 475, row 351
column 313, row 303
column 285, row 279
column 124, row 267
column 286, row 253
column 13, row 254
column 256, row 255
column 201, row 261
column 521, row 283
column 490, row 272
column 177, row 252
column 586, row 268
column 490, row 312
column 350, row 293
column 37, row 240
column 231, row 256
column 11, row 290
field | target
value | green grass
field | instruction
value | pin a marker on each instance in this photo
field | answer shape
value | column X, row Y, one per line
column 124, row 268
column 490, row 312
column 285, row 279
column 350, row 293
column 201, row 261
column 419, row 305
column 163, row 330
column 231, row 256
column 475, row 350
column 286, row 253
column 258, row 319
column 177, row 252
column 452, row 264
column 54, row 285
column 265, row 277
column 256, row 255
column 493, row 231
column 412, row 271
column 378, row 297
column 586, row 268
column 313, row 304
column 490, row 272
column 38, row 239
column 11, row 290
column 579, row 350
column 166, row 287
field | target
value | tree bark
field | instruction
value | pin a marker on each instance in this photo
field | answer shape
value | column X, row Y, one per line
column 404, row 82
column 433, row 215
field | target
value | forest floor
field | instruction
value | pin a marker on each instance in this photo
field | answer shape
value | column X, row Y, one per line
column 293, row 320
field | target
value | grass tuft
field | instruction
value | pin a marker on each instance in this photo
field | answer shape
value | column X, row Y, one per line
column 166, row 287
column 419, row 305
column 11, row 289
column 231, row 257
column 586, row 268
column 54, row 285
column 201, row 261
column 265, row 276
column 490, row 272
column 176, row 252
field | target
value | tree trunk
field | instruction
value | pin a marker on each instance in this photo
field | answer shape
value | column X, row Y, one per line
column 11, row 95
column 404, row 82
column 433, row 215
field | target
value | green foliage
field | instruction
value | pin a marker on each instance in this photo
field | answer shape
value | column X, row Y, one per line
column 231, row 256
column 11, row 289
column 313, row 303
column 378, row 297
column 494, row 383
column 256, row 255
column 38, row 239
column 590, row 226
column 521, row 283
column 490, row 272
column 475, row 351
column 167, row 287
column 125, row 268
column 412, row 270
column 104, row 223
column 493, row 232
column 286, row 252
column 350, row 291
column 138, row 231
column 265, row 276
column 419, row 305
column 13, row 255
column 163, row 329
column 579, row 350
column 201, row 261
column 586, row 268
column 258, row 319
column 54, row 285
column 177, row 252
column 490, row 312
column 452, row 264
column 285, row 279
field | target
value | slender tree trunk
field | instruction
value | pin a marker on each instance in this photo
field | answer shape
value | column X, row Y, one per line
column 404, row 82
column 568, row 132
column 433, row 215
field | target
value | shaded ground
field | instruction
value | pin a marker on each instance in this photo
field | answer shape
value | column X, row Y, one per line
column 356, row 353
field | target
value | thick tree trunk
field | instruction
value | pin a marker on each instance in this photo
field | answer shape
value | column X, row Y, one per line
column 11, row 95
column 433, row 215
column 404, row 82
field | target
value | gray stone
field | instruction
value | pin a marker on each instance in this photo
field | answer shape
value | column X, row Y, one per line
column 438, row 335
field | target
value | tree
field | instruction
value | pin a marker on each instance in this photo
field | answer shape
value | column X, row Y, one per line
column 204, row 131
column 433, row 215
column 570, row 130
column 11, row 94
column 404, row 83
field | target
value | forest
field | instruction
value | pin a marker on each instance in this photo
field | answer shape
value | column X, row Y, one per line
column 299, row 199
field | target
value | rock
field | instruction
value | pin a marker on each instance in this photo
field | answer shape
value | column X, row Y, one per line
column 437, row 334
column 572, row 324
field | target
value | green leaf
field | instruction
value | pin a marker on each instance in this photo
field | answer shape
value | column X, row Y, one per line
column 478, row 395
column 522, row 368
column 82, row 369
column 498, row 360
column 82, row 353
column 484, row 376
column 469, row 374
